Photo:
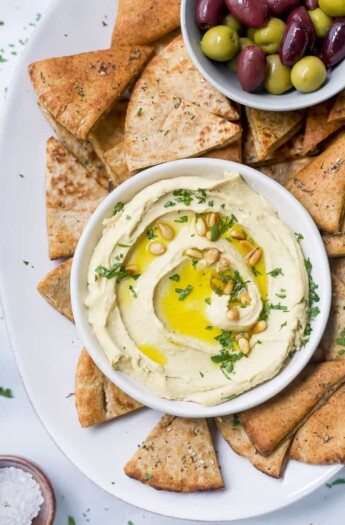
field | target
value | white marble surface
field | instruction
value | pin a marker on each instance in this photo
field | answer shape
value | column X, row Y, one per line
column 21, row 431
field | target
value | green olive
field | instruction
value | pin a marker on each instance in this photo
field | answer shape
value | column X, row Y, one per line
column 244, row 42
column 278, row 77
column 308, row 74
column 269, row 37
column 321, row 22
column 251, row 32
column 232, row 22
column 333, row 7
column 220, row 43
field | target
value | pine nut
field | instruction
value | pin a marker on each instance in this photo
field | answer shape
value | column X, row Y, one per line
column 200, row 227
column 244, row 298
column 194, row 253
column 243, row 345
column 212, row 255
column 242, row 334
column 157, row 248
column 224, row 263
column 209, row 236
column 228, row 288
column 259, row 327
column 166, row 231
column 233, row 314
column 254, row 256
column 212, row 219
column 246, row 246
column 237, row 234
column 132, row 268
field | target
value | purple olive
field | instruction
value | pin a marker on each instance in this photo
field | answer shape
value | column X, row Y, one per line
column 251, row 68
column 281, row 7
column 333, row 45
column 251, row 13
column 209, row 13
column 311, row 4
column 301, row 17
column 293, row 44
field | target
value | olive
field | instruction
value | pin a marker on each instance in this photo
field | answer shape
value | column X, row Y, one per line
column 232, row 22
column 321, row 22
column 333, row 7
column 301, row 17
column 278, row 76
column 250, row 13
column 251, row 33
column 233, row 63
column 269, row 37
column 221, row 43
column 333, row 45
column 308, row 74
column 293, row 44
column 208, row 13
column 251, row 68
column 311, row 4
column 281, row 7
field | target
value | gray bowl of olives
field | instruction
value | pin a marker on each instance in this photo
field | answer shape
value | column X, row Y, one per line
column 274, row 55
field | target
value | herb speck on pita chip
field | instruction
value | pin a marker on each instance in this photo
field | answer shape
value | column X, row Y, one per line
column 55, row 289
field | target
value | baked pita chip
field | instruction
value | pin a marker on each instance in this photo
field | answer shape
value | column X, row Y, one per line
column 271, row 129
column 321, row 440
column 334, row 244
column 160, row 128
column 276, row 420
column 144, row 21
column 231, row 152
column 78, row 89
column 55, row 289
column 291, row 150
column 284, row 171
column 332, row 345
column 317, row 127
column 81, row 149
column 178, row 455
column 338, row 110
column 320, row 186
column 72, row 195
column 338, row 268
column 234, row 434
column 162, row 43
column 98, row 399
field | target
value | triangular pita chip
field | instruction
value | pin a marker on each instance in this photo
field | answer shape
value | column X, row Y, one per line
column 284, row 171
column 144, row 21
column 269, row 424
column 78, row 89
column 231, row 152
column 81, row 149
column 72, row 195
column 320, row 186
column 178, row 455
column 234, row 434
column 317, row 128
column 338, row 268
column 334, row 244
column 160, row 128
column 291, row 150
column 162, row 43
column 332, row 345
column 55, row 288
column 98, row 399
column 271, row 129
column 321, row 440
column 338, row 110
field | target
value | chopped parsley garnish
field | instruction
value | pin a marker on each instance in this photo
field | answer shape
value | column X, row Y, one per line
column 175, row 277
column 148, row 476
column 26, row 263
column 222, row 206
column 125, row 245
column 230, row 398
column 211, row 204
column 118, row 207
column 183, row 196
column 279, row 306
column 251, row 240
column 236, row 421
column 168, row 204
column 239, row 284
column 282, row 325
column 312, row 311
column 183, row 293
column 128, row 217
column 6, row 392
column 226, row 361
column 339, row 481
column 194, row 263
column 150, row 233
column 209, row 327
column 341, row 340
column 299, row 237
column 115, row 271
column 282, row 294
column 265, row 310
column 255, row 271
column 200, row 194
column 71, row 521
column 133, row 292
column 341, row 352
column 139, row 112
column 224, row 224
column 21, row 175
column 275, row 272
column 182, row 219
column 208, row 300
column 201, row 374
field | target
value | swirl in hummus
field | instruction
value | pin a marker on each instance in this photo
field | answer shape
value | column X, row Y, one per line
column 197, row 289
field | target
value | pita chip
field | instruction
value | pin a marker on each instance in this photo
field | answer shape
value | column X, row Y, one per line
column 317, row 127
column 284, row 171
column 178, row 456
column 72, row 195
column 160, row 128
column 55, row 289
column 332, row 345
column 271, row 129
column 321, row 440
column 338, row 268
column 291, row 150
column 234, row 434
column 320, row 186
column 231, row 152
column 338, row 110
column 81, row 149
column 144, row 21
column 334, row 244
column 78, row 89
column 269, row 424
column 98, row 399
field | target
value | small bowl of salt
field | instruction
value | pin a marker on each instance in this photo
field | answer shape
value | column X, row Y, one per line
column 26, row 494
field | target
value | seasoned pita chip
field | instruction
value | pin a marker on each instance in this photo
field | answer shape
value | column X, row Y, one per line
column 271, row 129
column 72, row 195
column 320, row 186
column 317, row 127
column 81, row 149
column 178, row 456
column 98, row 399
column 332, row 346
column 78, row 89
column 144, row 21
column 338, row 110
column 291, row 150
column 231, row 152
column 160, row 128
column 55, row 288
column 162, row 43
column 338, row 268
column 321, row 440
column 269, row 424
column 334, row 244
column 284, row 171
column 234, row 434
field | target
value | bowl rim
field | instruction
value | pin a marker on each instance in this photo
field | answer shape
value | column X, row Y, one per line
column 269, row 388
column 252, row 100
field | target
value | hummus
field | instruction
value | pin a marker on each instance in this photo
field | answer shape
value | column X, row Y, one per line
column 197, row 289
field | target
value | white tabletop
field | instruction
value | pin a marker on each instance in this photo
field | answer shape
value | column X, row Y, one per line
column 21, row 431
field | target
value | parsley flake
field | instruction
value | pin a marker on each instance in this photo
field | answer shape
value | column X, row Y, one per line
column 183, row 293
column 6, row 392
column 148, row 476
column 275, row 272
column 175, row 277
column 182, row 219
column 118, row 207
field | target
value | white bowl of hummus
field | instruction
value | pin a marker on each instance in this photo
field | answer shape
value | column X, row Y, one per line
column 201, row 287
